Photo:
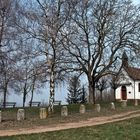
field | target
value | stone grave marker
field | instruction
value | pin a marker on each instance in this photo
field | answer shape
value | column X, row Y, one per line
column 43, row 113
column 98, row 107
column 64, row 111
column 124, row 103
column 20, row 114
column 136, row 102
column 112, row 106
column 82, row 109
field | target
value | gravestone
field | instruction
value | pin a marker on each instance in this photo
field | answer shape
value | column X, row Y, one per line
column 0, row 116
column 124, row 103
column 43, row 113
column 136, row 102
column 20, row 114
column 112, row 106
column 97, row 107
column 64, row 111
column 82, row 109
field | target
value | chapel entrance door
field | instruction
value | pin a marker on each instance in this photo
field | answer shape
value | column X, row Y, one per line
column 124, row 93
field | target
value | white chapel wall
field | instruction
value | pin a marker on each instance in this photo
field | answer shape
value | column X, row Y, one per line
column 125, row 79
column 137, row 93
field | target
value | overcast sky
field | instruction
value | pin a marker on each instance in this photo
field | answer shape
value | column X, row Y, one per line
column 136, row 1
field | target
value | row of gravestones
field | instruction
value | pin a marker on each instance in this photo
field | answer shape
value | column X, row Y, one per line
column 64, row 111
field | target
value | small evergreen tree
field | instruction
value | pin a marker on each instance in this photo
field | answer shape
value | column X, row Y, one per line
column 83, row 97
column 76, row 94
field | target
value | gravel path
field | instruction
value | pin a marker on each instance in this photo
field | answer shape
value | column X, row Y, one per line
column 63, row 126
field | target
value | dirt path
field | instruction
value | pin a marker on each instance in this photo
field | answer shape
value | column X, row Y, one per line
column 60, row 126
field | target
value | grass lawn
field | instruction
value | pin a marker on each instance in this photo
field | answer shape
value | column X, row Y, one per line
column 124, row 130
column 32, row 115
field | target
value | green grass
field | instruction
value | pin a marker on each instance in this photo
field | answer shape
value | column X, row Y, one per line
column 32, row 115
column 124, row 130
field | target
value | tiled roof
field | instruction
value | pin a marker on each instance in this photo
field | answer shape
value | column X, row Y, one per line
column 134, row 73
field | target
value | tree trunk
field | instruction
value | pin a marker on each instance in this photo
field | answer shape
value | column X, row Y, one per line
column 4, row 98
column 83, row 96
column 52, row 77
column 24, row 95
column 31, row 98
column 101, row 94
column 92, row 92
column 32, row 95
column 52, row 88
column 24, row 99
column 114, row 94
column 5, row 95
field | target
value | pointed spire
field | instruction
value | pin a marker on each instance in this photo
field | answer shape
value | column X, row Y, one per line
column 125, row 59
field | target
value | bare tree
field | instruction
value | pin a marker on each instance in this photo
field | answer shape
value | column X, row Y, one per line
column 114, row 83
column 8, row 34
column 22, row 82
column 45, row 22
column 101, row 85
column 28, row 75
column 96, row 34
column 36, row 80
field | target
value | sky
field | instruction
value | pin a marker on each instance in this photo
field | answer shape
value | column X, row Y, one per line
column 61, row 92
column 43, row 97
column 136, row 1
